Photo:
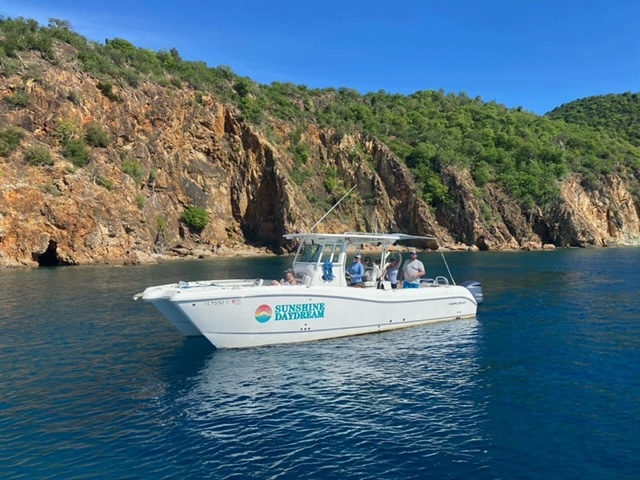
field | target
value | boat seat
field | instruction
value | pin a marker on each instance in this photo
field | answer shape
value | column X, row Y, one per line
column 303, row 279
column 369, row 278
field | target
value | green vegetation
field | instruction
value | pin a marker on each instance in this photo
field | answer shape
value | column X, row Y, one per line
column 161, row 223
column 613, row 113
column 38, row 155
column 22, row 34
column 196, row 218
column 51, row 189
column 300, row 174
column 10, row 139
column 107, row 90
column 333, row 184
column 74, row 97
column 431, row 131
column 77, row 152
column 66, row 129
column 20, row 99
column 133, row 168
column 141, row 201
column 104, row 182
column 96, row 136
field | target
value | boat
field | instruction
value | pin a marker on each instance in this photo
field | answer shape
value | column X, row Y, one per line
column 240, row 313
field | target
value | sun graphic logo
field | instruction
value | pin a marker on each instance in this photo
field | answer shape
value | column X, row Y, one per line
column 264, row 313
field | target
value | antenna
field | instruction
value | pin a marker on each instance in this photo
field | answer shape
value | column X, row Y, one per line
column 336, row 204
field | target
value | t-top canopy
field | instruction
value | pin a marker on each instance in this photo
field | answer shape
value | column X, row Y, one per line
column 355, row 237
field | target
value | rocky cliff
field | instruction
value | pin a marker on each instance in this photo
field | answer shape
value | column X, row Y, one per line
column 170, row 148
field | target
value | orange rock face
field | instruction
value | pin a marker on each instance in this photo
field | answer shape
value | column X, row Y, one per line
column 172, row 148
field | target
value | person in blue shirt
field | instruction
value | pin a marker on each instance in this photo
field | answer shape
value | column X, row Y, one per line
column 356, row 270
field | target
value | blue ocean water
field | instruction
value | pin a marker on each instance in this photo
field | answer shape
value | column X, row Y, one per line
column 545, row 383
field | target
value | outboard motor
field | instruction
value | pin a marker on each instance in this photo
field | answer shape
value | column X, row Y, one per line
column 475, row 288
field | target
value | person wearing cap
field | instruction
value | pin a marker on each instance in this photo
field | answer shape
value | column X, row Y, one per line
column 290, row 278
column 356, row 270
column 412, row 271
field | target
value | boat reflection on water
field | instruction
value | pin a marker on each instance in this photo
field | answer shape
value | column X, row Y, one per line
column 409, row 391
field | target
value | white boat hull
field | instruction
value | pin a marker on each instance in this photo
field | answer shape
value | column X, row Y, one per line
column 160, row 296
column 268, row 315
column 314, row 302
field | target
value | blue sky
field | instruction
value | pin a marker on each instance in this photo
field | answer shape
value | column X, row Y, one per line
column 537, row 54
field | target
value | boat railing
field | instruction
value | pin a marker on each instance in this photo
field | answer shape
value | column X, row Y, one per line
column 434, row 282
column 232, row 283
column 441, row 280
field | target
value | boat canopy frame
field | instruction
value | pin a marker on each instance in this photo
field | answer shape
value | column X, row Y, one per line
column 317, row 250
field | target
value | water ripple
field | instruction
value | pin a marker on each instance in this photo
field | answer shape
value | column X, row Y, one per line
column 294, row 412
column 542, row 385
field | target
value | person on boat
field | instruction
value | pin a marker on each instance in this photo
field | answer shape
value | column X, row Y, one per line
column 377, row 271
column 412, row 271
column 356, row 270
column 290, row 278
column 369, row 271
column 391, row 270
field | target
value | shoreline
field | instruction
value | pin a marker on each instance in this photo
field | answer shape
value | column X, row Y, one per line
column 142, row 258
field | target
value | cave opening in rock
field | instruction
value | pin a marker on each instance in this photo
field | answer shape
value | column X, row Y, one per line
column 50, row 256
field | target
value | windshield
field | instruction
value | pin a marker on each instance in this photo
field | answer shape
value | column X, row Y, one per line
column 312, row 252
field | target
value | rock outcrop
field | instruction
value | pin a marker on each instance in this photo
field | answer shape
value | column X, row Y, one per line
column 171, row 148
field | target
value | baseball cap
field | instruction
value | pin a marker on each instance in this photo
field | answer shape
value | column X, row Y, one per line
column 413, row 252
column 358, row 255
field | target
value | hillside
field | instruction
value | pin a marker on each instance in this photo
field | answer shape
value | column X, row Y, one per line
column 617, row 114
column 115, row 154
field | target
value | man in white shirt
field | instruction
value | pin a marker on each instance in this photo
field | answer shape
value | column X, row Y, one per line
column 412, row 271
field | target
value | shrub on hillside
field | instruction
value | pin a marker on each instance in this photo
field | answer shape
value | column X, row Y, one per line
column 10, row 140
column 196, row 218
column 104, row 182
column 66, row 129
column 107, row 90
column 77, row 152
column 38, row 155
column 96, row 136
column 74, row 97
column 20, row 99
column 134, row 169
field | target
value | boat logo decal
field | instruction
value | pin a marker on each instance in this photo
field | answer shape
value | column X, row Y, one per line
column 300, row 311
column 296, row 311
column 264, row 313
